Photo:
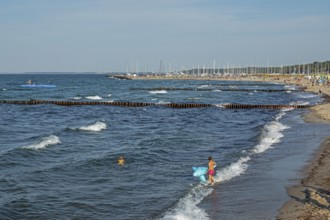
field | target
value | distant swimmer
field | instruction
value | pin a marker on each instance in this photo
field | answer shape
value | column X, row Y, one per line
column 121, row 161
column 210, row 171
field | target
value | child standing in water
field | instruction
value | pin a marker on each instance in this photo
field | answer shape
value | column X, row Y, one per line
column 210, row 170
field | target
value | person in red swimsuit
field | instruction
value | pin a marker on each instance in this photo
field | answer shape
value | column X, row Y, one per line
column 210, row 170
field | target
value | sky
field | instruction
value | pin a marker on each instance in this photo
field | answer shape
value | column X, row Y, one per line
column 139, row 35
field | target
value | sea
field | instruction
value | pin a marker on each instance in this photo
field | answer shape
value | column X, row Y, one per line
column 60, row 162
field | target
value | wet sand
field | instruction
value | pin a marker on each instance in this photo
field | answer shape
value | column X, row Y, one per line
column 310, row 199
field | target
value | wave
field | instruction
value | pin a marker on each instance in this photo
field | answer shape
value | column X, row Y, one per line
column 158, row 92
column 46, row 141
column 160, row 102
column 307, row 96
column 271, row 134
column 233, row 170
column 95, row 97
column 187, row 207
column 221, row 105
column 290, row 87
column 98, row 126
column 193, row 98
column 300, row 103
column 75, row 98
column 203, row 86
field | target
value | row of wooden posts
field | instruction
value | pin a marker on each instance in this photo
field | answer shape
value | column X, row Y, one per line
column 143, row 104
column 208, row 89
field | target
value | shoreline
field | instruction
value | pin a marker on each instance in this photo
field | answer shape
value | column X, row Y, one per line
column 310, row 198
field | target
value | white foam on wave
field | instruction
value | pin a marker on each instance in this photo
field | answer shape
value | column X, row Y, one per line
column 160, row 102
column 307, row 96
column 290, row 87
column 203, row 86
column 76, row 98
column 95, row 97
column 300, row 103
column 221, row 105
column 193, row 98
column 187, row 207
column 158, row 92
column 233, row 170
column 216, row 90
column 98, row 126
column 280, row 115
column 46, row 141
column 271, row 134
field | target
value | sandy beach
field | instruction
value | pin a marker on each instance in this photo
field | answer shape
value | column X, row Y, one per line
column 310, row 199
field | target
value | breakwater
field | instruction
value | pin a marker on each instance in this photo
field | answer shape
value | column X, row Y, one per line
column 143, row 104
column 209, row 90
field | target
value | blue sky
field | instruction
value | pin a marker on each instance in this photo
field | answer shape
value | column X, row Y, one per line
column 120, row 35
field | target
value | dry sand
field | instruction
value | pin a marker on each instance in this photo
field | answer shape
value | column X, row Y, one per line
column 311, row 198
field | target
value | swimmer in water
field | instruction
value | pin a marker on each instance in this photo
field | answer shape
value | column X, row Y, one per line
column 121, row 161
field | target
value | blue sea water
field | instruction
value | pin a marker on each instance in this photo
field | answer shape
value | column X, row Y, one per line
column 59, row 162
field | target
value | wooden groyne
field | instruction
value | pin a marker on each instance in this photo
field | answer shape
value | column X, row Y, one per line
column 247, row 106
column 144, row 104
column 233, row 83
column 209, row 90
